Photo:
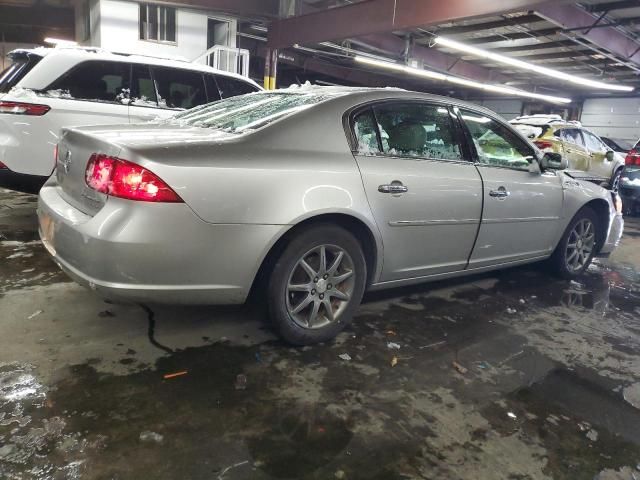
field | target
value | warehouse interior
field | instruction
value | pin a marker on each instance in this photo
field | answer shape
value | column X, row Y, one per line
column 501, row 374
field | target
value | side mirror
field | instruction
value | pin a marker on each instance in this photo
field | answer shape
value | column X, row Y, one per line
column 610, row 156
column 553, row 161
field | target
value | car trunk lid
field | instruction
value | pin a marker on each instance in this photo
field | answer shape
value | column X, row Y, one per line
column 73, row 153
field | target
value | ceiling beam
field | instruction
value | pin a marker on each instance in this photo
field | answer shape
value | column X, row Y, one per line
column 546, row 32
column 476, row 27
column 535, row 46
column 570, row 17
column 376, row 16
column 608, row 6
column 247, row 8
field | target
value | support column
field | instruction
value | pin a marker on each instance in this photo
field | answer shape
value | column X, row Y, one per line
column 271, row 69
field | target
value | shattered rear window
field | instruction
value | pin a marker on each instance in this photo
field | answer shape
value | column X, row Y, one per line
column 17, row 70
column 249, row 112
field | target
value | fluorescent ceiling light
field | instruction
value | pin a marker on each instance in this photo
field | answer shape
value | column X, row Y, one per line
column 58, row 41
column 418, row 72
column 514, row 62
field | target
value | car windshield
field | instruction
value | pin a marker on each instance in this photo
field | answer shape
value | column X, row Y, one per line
column 249, row 112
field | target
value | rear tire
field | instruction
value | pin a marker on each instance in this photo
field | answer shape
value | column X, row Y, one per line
column 578, row 245
column 316, row 285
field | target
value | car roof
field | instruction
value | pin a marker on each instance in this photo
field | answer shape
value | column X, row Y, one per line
column 362, row 95
column 67, row 57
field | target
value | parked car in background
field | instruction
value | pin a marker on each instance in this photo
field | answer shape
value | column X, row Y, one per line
column 325, row 192
column 630, row 182
column 45, row 89
column 583, row 149
column 617, row 144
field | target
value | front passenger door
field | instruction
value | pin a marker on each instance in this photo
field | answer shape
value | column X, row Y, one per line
column 521, row 213
column 426, row 197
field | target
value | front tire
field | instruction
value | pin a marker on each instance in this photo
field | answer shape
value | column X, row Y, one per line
column 577, row 247
column 316, row 285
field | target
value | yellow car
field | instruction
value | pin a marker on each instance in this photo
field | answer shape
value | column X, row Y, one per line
column 583, row 149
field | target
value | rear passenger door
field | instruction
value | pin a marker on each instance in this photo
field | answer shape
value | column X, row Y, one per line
column 175, row 90
column 426, row 197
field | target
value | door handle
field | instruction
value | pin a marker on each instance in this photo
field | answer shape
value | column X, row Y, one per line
column 500, row 193
column 393, row 188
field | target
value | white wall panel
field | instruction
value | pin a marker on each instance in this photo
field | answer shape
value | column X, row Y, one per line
column 613, row 117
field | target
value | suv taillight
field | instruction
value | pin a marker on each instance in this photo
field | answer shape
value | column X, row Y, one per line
column 3, row 166
column 543, row 144
column 20, row 108
column 121, row 178
column 633, row 158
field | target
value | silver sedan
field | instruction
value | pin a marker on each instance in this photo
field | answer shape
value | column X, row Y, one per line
column 314, row 195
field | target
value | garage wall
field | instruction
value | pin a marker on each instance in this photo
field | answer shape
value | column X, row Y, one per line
column 118, row 30
column 613, row 117
column 507, row 108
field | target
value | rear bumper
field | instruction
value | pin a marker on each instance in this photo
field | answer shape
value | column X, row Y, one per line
column 21, row 182
column 153, row 253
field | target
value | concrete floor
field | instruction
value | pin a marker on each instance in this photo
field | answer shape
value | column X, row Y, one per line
column 547, row 387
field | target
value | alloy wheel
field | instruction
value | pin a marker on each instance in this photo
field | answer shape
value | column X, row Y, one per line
column 580, row 245
column 320, row 286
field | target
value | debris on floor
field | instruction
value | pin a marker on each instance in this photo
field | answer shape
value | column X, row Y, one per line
column 151, row 437
column 632, row 395
column 511, row 310
column 592, row 435
column 393, row 346
column 394, row 361
column 34, row 314
column 345, row 356
column 169, row 376
column 460, row 368
column 241, row 382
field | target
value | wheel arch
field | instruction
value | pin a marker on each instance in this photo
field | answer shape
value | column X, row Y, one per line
column 364, row 234
column 601, row 208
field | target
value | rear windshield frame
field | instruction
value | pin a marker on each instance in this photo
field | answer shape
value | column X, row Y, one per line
column 239, row 114
column 20, row 66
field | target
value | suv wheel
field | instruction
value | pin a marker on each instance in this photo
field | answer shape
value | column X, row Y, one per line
column 317, row 284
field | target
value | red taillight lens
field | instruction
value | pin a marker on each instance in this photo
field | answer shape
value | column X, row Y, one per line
column 633, row 158
column 123, row 179
column 19, row 108
column 543, row 144
column 3, row 166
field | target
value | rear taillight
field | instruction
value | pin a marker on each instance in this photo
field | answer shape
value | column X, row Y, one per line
column 543, row 144
column 3, row 166
column 20, row 108
column 121, row 178
column 633, row 158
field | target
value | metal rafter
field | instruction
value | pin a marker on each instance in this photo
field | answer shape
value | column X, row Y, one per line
column 376, row 16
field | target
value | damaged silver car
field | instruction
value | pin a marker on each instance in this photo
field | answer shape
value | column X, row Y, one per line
column 321, row 193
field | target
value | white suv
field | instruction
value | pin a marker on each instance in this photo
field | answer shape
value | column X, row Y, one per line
column 45, row 89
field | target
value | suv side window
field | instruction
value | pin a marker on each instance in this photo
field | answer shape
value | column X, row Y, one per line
column 179, row 88
column 417, row 130
column 213, row 94
column 231, row 87
column 96, row 80
column 573, row 135
column 593, row 143
column 143, row 90
column 496, row 144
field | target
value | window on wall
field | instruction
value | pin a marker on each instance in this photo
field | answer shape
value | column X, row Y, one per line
column 157, row 23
